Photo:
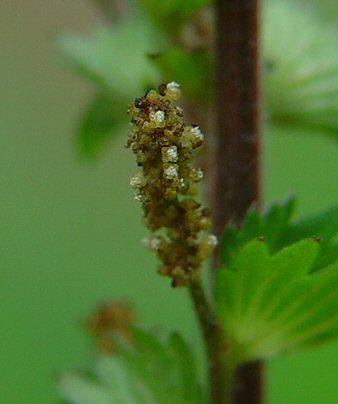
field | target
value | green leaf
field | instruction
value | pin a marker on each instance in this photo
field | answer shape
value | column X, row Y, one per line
column 236, row 285
column 169, row 15
column 273, row 304
column 315, row 314
column 289, row 266
column 151, row 359
column 185, row 7
column 270, row 226
column 104, row 119
column 192, row 69
column 148, row 371
column 112, row 373
column 278, row 231
column 114, row 58
column 186, row 370
column 301, row 80
column 78, row 390
column 323, row 225
column 276, row 220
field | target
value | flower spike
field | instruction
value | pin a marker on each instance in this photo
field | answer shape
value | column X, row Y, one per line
column 166, row 184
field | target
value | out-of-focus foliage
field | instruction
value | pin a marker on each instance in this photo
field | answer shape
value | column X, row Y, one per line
column 301, row 57
column 114, row 60
column 148, row 371
column 170, row 15
column 104, row 117
column 190, row 69
column 299, row 52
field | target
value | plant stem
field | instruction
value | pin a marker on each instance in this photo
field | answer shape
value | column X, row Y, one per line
column 248, row 382
column 218, row 368
column 235, row 143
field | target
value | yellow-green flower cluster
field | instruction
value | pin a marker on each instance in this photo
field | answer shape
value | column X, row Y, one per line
column 166, row 183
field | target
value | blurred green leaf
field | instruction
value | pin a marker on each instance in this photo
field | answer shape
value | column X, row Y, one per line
column 323, row 225
column 115, row 58
column 186, row 370
column 168, row 15
column 147, row 360
column 278, row 231
column 273, row 304
column 112, row 374
column 192, row 69
column 185, row 7
column 78, row 390
column 148, row 371
column 301, row 81
column 104, row 119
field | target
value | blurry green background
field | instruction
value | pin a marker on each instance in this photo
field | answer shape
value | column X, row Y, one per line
column 70, row 230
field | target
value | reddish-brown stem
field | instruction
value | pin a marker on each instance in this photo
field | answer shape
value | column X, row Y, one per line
column 235, row 144
column 234, row 178
column 248, row 384
column 219, row 382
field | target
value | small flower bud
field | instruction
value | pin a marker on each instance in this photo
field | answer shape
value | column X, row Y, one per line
column 205, row 223
column 138, row 181
column 138, row 198
column 212, row 240
column 173, row 91
column 197, row 174
column 170, row 171
column 153, row 242
column 193, row 137
column 198, row 135
column 158, row 118
column 182, row 184
column 169, row 154
column 208, row 245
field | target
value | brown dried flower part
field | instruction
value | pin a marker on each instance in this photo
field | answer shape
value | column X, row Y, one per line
column 166, row 183
column 108, row 320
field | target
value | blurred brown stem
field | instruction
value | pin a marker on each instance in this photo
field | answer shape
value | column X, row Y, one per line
column 219, row 378
column 235, row 143
column 235, row 146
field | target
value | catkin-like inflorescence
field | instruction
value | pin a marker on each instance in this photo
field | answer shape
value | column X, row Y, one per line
column 166, row 184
